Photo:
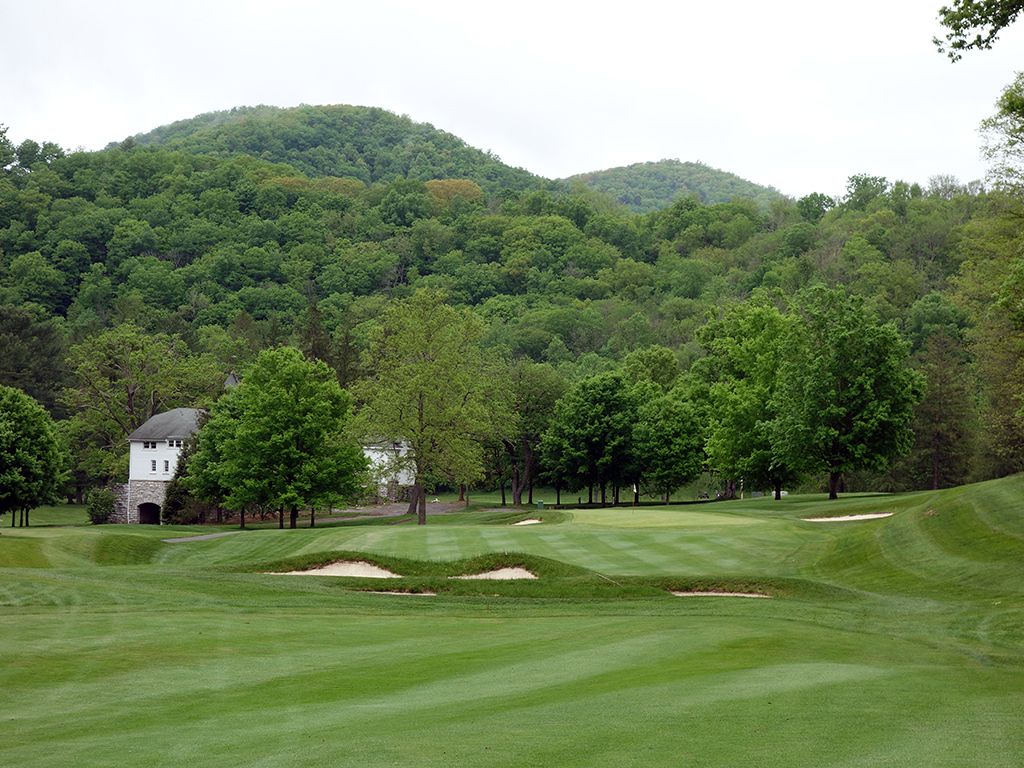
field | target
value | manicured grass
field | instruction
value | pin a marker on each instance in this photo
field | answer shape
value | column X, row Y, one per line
column 62, row 514
column 892, row 642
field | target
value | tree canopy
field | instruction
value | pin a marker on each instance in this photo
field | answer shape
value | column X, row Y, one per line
column 974, row 24
column 745, row 346
column 845, row 394
column 278, row 440
column 427, row 391
column 122, row 377
column 32, row 458
column 221, row 237
column 589, row 439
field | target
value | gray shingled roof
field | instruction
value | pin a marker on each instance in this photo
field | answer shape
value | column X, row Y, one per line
column 176, row 423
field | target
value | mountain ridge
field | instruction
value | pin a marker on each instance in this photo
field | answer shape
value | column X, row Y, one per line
column 372, row 144
column 652, row 185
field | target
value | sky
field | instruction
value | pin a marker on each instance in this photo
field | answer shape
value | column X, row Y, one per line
column 798, row 95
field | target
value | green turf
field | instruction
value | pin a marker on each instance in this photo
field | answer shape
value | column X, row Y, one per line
column 63, row 514
column 892, row 642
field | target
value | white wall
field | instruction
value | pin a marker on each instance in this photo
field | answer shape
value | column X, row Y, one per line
column 387, row 464
column 140, row 461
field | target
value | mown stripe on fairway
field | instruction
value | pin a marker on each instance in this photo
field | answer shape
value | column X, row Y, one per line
column 304, row 690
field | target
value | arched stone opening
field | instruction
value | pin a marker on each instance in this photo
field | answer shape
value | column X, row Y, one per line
column 149, row 514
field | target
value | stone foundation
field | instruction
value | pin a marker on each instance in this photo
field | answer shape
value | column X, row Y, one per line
column 393, row 492
column 120, row 514
column 136, row 492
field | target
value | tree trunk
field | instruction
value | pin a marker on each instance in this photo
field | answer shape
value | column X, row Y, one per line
column 27, row 523
column 516, row 481
column 462, row 492
column 421, row 516
column 558, row 495
column 280, row 518
column 517, row 487
column 590, row 494
column 834, row 479
column 503, row 501
column 414, row 500
column 668, row 496
column 527, row 457
column 293, row 517
column 777, row 484
column 603, row 494
column 241, row 516
column 312, row 517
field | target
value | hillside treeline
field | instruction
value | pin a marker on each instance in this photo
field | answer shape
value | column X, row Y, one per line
column 135, row 278
column 647, row 187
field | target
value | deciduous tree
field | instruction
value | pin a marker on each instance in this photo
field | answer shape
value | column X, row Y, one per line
column 32, row 460
column 974, row 24
column 534, row 388
column 667, row 442
column 589, row 440
column 745, row 346
column 122, row 377
column 278, row 440
column 1003, row 135
column 33, row 354
column 427, row 390
column 845, row 395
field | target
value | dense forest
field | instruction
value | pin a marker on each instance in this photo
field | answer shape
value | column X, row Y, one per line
column 135, row 278
column 647, row 187
column 363, row 143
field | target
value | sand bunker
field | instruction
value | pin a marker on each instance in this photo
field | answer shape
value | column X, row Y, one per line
column 719, row 594
column 396, row 592
column 500, row 573
column 531, row 521
column 358, row 568
column 848, row 518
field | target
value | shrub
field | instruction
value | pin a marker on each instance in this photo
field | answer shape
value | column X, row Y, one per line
column 100, row 505
column 181, row 507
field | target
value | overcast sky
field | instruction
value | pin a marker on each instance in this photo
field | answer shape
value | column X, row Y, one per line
column 798, row 95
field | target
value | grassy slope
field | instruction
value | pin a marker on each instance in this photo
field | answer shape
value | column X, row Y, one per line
column 893, row 642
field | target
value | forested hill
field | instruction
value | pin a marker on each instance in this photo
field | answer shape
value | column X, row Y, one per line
column 209, row 260
column 646, row 187
column 373, row 145
column 364, row 143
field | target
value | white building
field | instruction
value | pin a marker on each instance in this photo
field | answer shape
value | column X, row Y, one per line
column 152, row 459
column 391, row 469
column 153, row 454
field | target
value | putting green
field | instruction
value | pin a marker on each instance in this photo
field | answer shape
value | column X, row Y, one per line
column 661, row 517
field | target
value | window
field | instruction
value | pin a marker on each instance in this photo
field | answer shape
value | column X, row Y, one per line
column 174, row 443
column 152, row 465
column 167, row 466
column 149, row 443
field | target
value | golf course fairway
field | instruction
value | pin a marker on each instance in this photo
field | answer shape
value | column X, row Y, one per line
column 895, row 641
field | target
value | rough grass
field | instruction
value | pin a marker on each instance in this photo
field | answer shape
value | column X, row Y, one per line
column 893, row 642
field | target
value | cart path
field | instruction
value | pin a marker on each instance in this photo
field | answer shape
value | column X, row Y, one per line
column 200, row 537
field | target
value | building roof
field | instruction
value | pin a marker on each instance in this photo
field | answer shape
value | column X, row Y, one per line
column 176, row 423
